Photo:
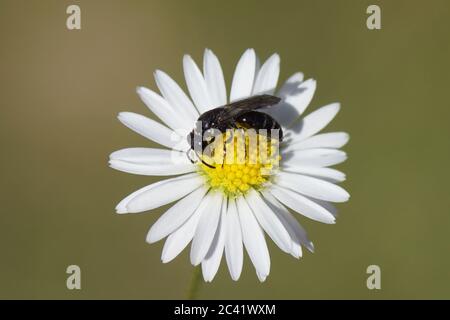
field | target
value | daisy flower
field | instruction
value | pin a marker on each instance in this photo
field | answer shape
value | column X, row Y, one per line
column 225, row 208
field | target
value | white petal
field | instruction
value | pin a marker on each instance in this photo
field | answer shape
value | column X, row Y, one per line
column 215, row 81
column 329, row 174
column 206, row 229
column 313, row 157
column 142, row 155
column 267, row 78
column 176, row 215
column 149, row 161
column 147, row 155
column 302, row 205
column 233, row 244
column 160, row 193
column 297, row 232
column 196, row 85
column 257, row 65
column 152, row 130
column 152, row 169
column 244, row 76
column 312, row 187
column 172, row 92
column 269, row 221
column 162, row 109
column 179, row 239
column 296, row 96
column 333, row 140
column 290, row 86
column 261, row 277
column 327, row 205
column 211, row 263
column 314, row 122
column 253, row 238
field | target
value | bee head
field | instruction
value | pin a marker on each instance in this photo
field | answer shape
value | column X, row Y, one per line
column 194, row 139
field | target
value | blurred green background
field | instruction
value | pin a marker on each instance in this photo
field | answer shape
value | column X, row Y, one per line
column 61, row 91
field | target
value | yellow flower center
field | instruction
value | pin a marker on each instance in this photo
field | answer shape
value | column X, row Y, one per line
column 235, row 165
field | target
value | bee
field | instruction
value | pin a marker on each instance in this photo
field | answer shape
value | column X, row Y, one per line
column 240, row 114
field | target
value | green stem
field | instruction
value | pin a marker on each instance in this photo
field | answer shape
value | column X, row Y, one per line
column 196, row 282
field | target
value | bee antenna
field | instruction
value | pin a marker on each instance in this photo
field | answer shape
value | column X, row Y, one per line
column 188, row 152
column 207, row 164
column 188, row 155
column 204, row 162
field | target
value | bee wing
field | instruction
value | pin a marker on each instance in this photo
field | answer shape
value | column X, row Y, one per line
column 255, row 102
column 240, row 107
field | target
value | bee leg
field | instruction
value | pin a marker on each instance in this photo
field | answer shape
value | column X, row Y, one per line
column 224, row 153
column 229, row 139
column 245, row 149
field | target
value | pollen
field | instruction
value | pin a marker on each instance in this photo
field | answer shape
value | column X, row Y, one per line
column 236, row 165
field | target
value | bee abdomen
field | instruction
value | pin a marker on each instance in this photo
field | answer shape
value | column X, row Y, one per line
column 259, row 120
